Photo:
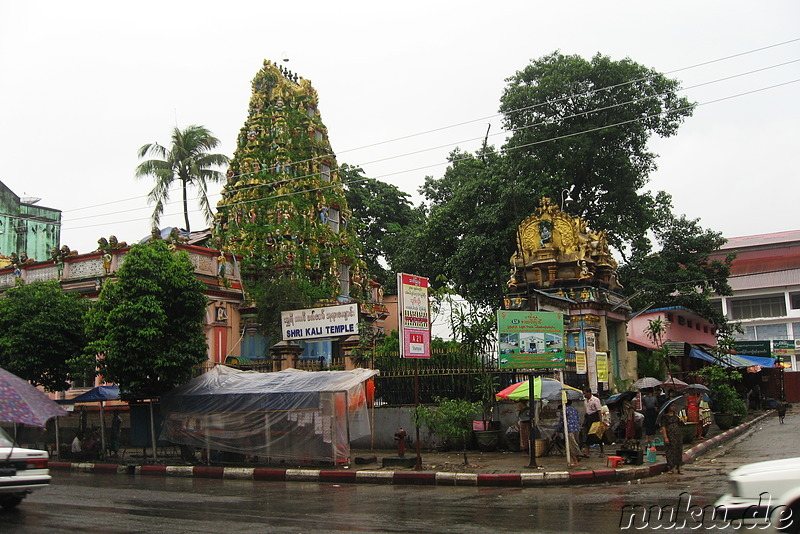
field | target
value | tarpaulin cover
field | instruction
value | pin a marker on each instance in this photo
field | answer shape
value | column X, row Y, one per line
column 733, row 360
column 292, row 415
column 97, row 394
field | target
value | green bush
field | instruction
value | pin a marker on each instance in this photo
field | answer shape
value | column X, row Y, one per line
column 451, row 420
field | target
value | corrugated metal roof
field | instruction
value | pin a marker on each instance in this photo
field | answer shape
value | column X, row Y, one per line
column 773, row 279
column 761, row 239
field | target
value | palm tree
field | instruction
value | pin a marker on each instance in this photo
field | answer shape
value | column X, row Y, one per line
column 187, row 160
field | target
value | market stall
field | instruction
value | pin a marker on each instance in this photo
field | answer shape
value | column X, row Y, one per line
column 292, row 415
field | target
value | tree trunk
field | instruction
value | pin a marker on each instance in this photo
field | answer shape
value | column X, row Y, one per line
column 185, row 207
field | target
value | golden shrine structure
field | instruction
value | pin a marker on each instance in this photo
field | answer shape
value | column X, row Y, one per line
column 563, row 265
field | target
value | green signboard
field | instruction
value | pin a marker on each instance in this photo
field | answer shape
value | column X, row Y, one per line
column 753, row 348
column 784, row 347
column 531, row 340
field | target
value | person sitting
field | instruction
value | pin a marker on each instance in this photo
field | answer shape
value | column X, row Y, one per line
column 92, row 446
column 75, row 449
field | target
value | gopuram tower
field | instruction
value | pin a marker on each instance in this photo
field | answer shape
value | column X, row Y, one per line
column 283, row 208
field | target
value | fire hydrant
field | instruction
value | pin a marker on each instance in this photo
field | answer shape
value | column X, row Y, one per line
column 400, row 438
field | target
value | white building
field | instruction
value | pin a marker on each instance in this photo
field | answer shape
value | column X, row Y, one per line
column 765, row 277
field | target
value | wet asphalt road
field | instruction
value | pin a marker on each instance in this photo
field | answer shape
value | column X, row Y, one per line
column 118, row 503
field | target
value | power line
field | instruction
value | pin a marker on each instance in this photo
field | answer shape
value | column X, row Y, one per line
column 277, row 183
column 587, row 93
column 465, row 158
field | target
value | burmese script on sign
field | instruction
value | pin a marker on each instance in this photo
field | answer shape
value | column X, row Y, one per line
column 321, row 322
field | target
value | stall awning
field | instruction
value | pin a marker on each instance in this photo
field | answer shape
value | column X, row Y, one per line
column 733, row 360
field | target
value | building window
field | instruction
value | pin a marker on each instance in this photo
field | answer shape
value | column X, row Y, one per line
column 326, row 173
column 749, row 334
column 670, row 318
column 773, row 306
column 763, row 332
column 771, row 331
column 681, row 320
column 689, row 324
column 795, row 331
column 344, row 280
column 794, row 300
column 705, row 330
column 333, row 219
column 318, row 135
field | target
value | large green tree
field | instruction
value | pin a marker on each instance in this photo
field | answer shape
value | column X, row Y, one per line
column 472, row 214
column 583, row 125
column 189, row 161
column 578, row 127
column 41, row 330
column 383, row 216
column 147, row 326
column 680, row 271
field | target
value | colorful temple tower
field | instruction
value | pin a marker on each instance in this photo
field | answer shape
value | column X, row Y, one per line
column 283, row 208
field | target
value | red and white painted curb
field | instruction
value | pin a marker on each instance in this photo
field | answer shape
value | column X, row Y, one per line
column 429, row 478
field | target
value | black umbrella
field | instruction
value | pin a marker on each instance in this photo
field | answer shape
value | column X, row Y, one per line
column 620, row 397
column 678, row 402
column 695, row 389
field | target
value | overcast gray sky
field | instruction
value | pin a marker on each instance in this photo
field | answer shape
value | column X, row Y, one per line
column 84, row 84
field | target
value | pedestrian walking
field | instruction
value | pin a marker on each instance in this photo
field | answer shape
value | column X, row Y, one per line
column 591, row 405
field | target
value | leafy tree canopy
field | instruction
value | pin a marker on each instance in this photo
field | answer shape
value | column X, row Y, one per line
column 579, row 127
column 188, row 160
column 41, row 330
column 383, row 216
column 471, row 226
column 275, row 295
column 148, row 325
column 583, row 125
column 681, row 272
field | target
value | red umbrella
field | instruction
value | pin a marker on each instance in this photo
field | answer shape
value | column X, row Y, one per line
column 20, row 402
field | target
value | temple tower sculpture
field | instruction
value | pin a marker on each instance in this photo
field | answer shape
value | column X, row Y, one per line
column 283, row 208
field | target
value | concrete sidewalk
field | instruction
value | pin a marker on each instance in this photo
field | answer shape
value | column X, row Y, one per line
column 438, row 468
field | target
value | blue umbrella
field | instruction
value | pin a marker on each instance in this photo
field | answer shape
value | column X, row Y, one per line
column 99, row 394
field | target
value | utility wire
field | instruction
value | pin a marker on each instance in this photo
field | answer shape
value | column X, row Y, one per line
column 588, row 93
column 277, row 183
column 468, row 157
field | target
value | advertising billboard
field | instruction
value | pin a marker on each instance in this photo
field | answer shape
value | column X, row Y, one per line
column 531, row 340
column 414, row 316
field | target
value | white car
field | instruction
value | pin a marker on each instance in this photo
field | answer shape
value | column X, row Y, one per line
column 21, row 471
column 765, row 493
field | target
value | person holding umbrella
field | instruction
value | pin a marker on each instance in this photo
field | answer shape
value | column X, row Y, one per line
column 650, row 405
column 673, row 438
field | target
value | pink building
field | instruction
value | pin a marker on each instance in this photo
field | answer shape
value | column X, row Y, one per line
column 682, row 325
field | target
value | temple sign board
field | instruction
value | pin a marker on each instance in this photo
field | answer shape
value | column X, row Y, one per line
column 531, row 340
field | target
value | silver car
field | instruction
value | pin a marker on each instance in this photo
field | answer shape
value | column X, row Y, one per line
column 21, row 471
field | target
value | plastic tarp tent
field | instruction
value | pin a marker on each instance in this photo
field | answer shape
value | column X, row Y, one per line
column 292, row 415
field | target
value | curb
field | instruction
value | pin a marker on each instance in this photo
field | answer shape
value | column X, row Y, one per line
column 424, row 478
